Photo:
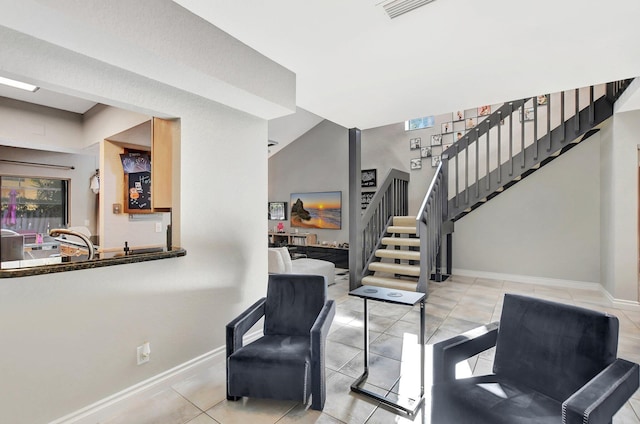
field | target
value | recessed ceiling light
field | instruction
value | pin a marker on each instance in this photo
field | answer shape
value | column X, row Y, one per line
column 18, row 84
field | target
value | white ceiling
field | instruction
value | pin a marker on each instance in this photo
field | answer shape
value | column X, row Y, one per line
column 48, row 98
column 358, row 68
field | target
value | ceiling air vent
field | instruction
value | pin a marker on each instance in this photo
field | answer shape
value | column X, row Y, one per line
column 395, row 8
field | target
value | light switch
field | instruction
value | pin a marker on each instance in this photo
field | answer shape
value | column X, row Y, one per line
column 117, row 208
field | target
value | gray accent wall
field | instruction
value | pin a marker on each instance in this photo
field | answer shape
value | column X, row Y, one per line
column 317, row 161
column 547, row 225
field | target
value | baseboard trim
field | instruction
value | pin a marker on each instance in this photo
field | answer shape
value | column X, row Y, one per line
column 551, row 282
column 627, row 305
column 112, row 404
column 543, row 281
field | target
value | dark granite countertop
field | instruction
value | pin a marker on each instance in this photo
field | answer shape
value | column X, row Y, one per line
column 96, row 263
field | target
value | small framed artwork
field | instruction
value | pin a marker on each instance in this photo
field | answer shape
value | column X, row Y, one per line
column 542, row 99
column 368, row 178
column 458, row 136
column 436, row 139
column 416, row 163
column 425, row 152
column 415, row 143
column 447, row 127
column 526, row 114
column 366, row 198
column 435, row 160
column 484, row 110
column 458, row 115
column 470, row 123
column 278, row 211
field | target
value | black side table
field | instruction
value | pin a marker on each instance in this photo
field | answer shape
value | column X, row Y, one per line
column 408, row 406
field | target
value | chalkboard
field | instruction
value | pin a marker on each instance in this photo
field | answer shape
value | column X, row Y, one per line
column 138, row 197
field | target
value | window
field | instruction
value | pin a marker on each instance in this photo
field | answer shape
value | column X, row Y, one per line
column 33, row 205
column 419, row 123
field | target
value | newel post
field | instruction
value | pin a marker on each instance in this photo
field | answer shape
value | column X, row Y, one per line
column 355, row 216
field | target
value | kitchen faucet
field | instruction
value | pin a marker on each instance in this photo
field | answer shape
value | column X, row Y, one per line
column 57, row 231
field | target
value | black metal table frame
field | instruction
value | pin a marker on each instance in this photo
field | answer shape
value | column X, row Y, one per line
column 406, row 405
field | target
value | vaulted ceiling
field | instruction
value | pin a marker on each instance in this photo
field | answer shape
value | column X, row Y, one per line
column 357, row 67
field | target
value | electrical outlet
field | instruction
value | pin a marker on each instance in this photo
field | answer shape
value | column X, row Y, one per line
column 143, row 353
column 158, row 227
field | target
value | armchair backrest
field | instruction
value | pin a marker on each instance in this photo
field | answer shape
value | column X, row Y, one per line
column 293, row 303
column 551, row 347
column 280, row 260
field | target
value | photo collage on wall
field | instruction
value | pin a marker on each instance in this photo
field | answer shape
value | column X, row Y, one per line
column 368, row 182
column 452, row 128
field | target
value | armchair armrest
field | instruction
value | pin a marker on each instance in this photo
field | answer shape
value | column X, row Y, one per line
column 599, row 399
column 319, row 333
column 240, row 325
column 448, row 353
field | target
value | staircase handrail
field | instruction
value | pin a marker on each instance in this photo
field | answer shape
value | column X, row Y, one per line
column 469, row 188
column 429, row 220
column 392, row 174
column 391, row 199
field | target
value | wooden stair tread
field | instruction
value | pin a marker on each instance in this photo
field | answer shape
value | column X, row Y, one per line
column 396, row 229
column 408, row 255
column 401, row 241
column 391, row 268
column 404, row 221
column 392, row 283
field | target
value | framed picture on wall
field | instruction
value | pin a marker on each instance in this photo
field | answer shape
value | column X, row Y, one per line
column 416, row 163
column 415, row 143
column 368, row 178
column 366, row 198
column 436, row 139
column 526, row 114
column 278, row 211
column 458, row 115
column 447, row 127
column 435, row 160
column 425, row 152
column 470, row 123
column 542, row 99
column 484, row 110
column 316, row 210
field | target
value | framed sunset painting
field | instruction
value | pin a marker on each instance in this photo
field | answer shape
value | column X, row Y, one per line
column 317, row 210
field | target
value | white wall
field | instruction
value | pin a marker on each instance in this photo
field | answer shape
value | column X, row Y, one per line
column 619, row 169
column 317, row 161
column 102, row 121
column 38, row 127
column 547, row 225
column 69, row 339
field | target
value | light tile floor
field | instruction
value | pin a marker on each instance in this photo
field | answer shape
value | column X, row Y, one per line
column 455, row 306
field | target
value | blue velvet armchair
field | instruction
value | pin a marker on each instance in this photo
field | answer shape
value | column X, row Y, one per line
column 287, row 362
column 554, row 363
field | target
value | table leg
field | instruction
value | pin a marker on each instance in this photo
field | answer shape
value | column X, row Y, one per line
column 406, row 406
column 422, row 348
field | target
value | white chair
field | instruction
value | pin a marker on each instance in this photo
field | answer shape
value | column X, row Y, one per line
column 280, row 263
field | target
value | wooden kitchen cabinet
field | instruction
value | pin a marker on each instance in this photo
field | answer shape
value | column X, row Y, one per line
column 165, row 138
